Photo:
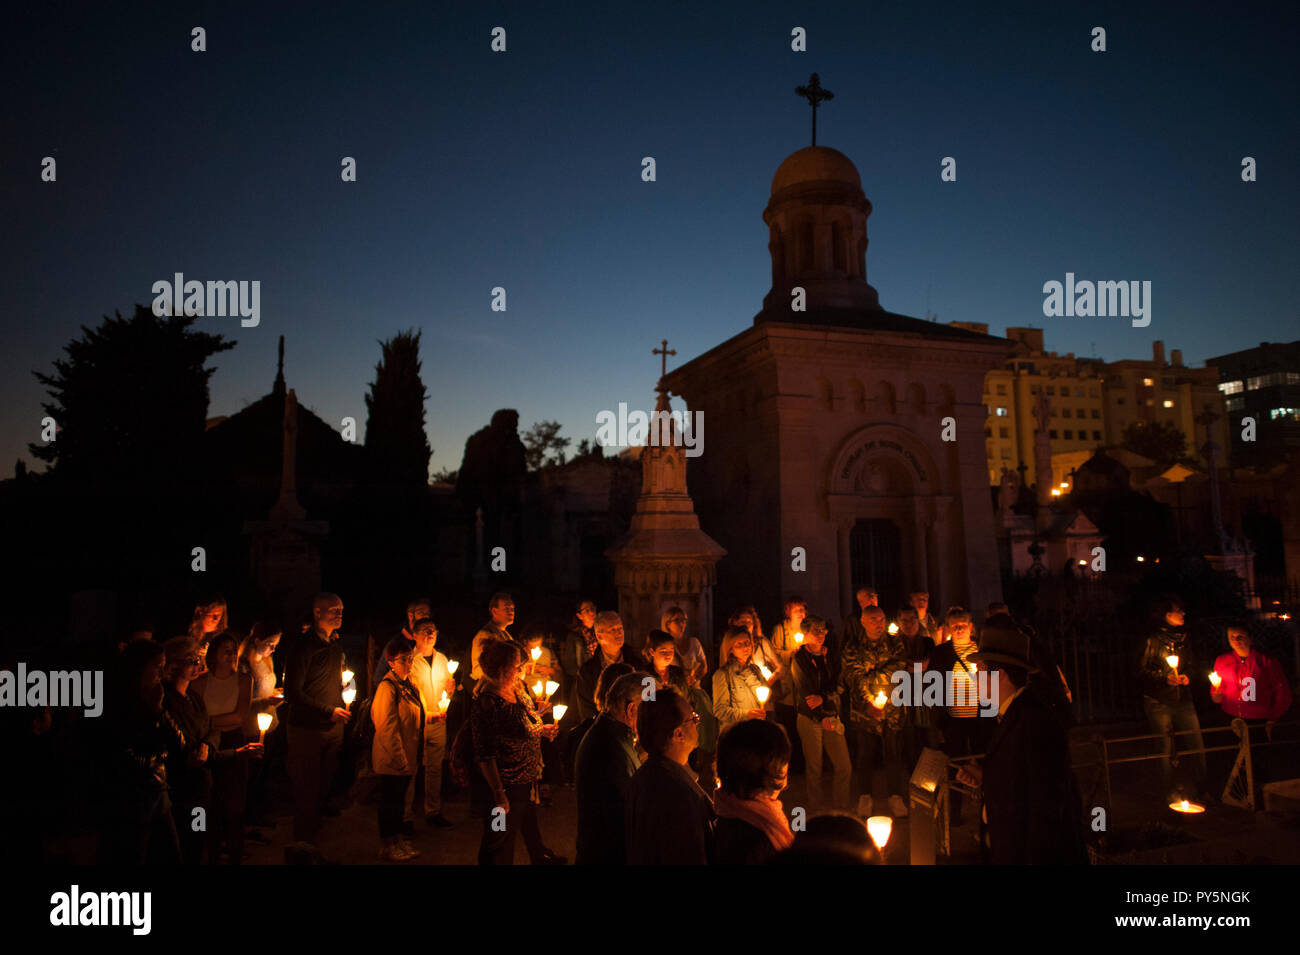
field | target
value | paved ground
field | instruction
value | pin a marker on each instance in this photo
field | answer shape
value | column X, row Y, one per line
column 1140, row 826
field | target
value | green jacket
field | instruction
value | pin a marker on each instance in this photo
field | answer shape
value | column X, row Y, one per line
column 868, row 667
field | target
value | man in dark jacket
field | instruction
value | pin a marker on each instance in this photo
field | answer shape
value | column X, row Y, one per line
column 670, row 819
column 1167, row 694
column 314, row 714
column 610, row 649
column 604, row 765
column 1035, row 814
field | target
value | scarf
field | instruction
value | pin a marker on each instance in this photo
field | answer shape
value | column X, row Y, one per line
column 765, row 815
column 589, row 637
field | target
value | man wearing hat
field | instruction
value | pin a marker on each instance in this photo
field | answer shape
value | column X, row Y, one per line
column 1031, row 798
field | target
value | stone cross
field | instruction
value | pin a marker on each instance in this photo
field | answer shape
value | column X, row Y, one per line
column 815, row 95
column 665, row 352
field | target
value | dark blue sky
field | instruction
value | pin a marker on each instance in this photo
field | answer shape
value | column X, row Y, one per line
column 523, row 170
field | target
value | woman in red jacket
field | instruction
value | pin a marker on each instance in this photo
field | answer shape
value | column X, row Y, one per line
column 1253, row 686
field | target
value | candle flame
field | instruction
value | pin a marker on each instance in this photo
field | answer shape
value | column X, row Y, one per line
column 535, row 653
column 263, row 721
column 893, row 628
column 762, row 693
column 444, row 702
column 1215, row 679
column 767, row 674
column 349, row 695
column 798, row 638
column 538, row 687
column 880, row 699
column 880, row 828
column 348, row 676
column 452, row 665
column 558, row 711
column 1172, row 660
column 1185, row 805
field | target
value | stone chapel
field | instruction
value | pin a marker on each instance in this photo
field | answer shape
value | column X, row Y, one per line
column 825, row 426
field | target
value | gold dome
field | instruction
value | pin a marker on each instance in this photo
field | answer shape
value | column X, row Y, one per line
column 815, row 164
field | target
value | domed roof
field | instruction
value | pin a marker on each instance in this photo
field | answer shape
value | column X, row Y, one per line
column 813, row 164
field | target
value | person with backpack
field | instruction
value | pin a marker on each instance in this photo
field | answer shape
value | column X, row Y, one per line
column 397, row 715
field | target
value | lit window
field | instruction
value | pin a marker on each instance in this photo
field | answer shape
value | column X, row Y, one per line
column 1147, row 382
column 1002, row 412
column 1168, row 403
column 1230, row 387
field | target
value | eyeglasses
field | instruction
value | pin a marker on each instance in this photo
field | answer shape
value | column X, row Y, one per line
column 693, row 718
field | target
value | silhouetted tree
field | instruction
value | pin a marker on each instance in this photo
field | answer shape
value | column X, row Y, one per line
column 131, row 399
column 543, row 445
column 396, row 443
column 1163, row 443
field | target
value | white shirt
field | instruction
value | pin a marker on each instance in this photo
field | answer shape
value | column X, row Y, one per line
column 432, row 680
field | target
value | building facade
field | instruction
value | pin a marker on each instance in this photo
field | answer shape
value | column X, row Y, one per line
column 846, row 442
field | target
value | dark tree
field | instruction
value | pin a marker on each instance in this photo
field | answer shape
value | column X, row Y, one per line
column 543, row 445
column 1163, row 443
column 396, row 443
column 130, row 401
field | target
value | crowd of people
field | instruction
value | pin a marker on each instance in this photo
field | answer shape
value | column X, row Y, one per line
column 678, row 753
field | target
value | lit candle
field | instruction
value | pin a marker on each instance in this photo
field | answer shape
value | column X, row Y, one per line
column 348, row 676
column 452, row 666
column 1172, row 660
column 538, row 687
column 535, row 653
column 1215, row 679
column 1185, row 805
column 349, row 695
column 880, row 828
column 767, row 674
column 551, row 687
column 893, row 628
column 444, row 702
column 263, row 724
column 880, row 700
column 798, row 638
column 558, row 711
column 762, row 693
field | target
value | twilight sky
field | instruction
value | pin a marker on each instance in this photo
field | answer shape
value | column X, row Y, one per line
column 522, row 169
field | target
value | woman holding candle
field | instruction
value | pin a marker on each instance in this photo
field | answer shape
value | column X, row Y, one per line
column 1250, row 684
column 507, row 733
column 1167, row 698
column 256, row 660
column 398, row 715
column 189, row 775
column 227, row 696
column 817, row 699
column 736, row 682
